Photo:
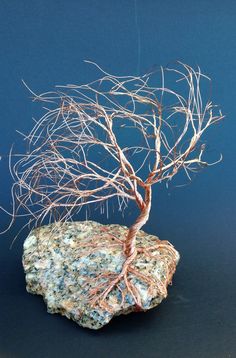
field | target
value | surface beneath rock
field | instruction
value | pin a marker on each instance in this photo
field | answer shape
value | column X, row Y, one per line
column 75, row 267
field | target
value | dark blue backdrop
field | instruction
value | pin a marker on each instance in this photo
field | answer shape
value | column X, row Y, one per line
column 45, row 43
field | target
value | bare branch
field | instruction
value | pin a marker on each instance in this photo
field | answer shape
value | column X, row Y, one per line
column 76, row 154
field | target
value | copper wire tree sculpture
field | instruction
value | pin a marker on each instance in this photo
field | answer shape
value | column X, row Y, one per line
column 75, row 154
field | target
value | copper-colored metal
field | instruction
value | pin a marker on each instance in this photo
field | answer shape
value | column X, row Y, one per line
column 60, row 172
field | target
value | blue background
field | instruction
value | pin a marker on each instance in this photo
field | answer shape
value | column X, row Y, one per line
column 45, row 43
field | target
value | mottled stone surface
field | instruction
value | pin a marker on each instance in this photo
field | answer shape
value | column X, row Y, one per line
column 71, row 264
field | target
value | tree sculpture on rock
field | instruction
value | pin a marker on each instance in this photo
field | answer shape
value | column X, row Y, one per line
column 113, row 138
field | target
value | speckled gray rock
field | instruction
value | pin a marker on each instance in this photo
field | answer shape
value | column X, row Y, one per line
column 70, row 264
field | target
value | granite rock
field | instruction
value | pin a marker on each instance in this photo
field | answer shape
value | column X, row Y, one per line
column 70, row 263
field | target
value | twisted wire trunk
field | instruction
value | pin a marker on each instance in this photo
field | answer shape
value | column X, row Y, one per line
column 130, row 243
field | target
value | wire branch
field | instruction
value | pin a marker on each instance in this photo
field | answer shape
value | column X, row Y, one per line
column 76, row 154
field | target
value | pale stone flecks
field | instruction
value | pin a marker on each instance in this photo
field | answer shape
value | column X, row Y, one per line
column 62, row 262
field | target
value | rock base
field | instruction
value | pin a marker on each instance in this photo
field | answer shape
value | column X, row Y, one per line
column 72, row 265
